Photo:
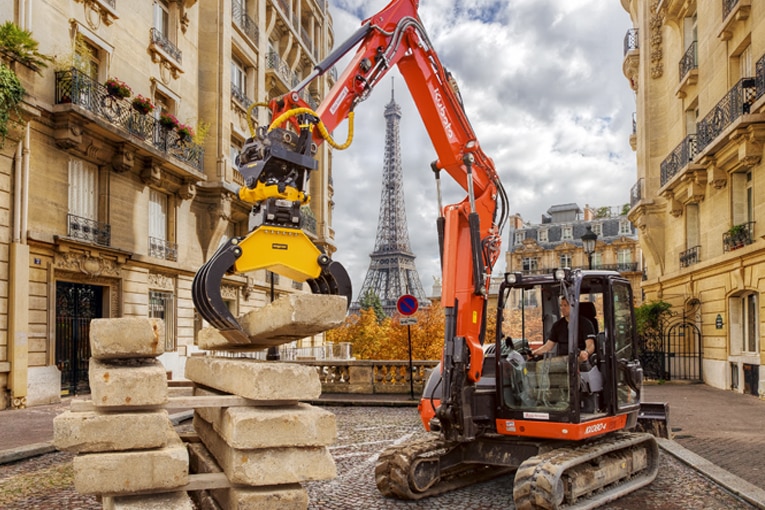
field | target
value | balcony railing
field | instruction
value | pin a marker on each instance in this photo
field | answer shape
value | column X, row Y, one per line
column 631, row 41
column 736, row 103
column 88, row 230
column 240, row 96
column 308, row 219
column 727, row 7
column 738, row 236
column 244, row 22
column 689, row 61
column 690, row 256
column 159, row 39
column 760, row 78
column 678, row 158
column 636, row 193
column 621, row 267
column 162, row 249
column 74, row 87
column 275, row 62
column 634, row 123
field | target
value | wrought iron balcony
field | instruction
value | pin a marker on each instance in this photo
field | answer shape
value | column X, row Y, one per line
column 159, row 39
column 308, row 219
column 727, row 7
column 636, row 193
column 75, row 87
column 690, row 256
column 678, row 158
column 689, row 60
column 736, row 103
column 760, row 77
column 631, row 40
column 162, row 249
column 88, row 230
column 240, row 96
column 244, row 22
column 275, row 62
column 738, row 236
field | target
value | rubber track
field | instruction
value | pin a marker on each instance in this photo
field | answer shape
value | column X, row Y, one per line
column 538, row 481
column 394, row 465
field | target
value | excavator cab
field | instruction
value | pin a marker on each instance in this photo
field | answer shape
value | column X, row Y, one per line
column 557, row 387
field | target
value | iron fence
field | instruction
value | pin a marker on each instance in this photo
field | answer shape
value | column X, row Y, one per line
column 678, row 158
column 738, row 236
column 636, row 193
column 84, row 229
column 248, row 25
column 689, row 61
column 162, row 249
column 690, row 256
column 631, row 41
column 75, row 87
column 159, row 39
column 736, row 102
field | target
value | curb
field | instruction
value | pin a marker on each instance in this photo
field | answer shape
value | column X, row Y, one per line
column 25, row 452
column 741, row 488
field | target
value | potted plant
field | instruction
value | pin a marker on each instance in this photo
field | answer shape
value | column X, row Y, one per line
column 142, row 104
column 117, row 88
column 168, row 120
column 186, row 132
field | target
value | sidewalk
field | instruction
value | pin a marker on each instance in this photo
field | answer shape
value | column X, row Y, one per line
column 719, row 433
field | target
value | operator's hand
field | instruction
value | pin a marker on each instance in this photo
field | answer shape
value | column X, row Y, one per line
column 584, row 355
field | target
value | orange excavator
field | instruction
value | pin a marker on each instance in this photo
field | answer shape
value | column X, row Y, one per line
column 492, row 409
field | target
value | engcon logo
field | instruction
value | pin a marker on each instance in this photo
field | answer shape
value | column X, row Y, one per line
column 279, row 246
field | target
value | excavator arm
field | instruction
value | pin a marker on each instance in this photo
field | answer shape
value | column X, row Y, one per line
column 277, row 161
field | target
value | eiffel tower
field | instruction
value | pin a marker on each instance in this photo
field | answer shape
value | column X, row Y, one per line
column 392, row 272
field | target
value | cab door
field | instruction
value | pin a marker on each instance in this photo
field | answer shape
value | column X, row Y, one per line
column 626, row 375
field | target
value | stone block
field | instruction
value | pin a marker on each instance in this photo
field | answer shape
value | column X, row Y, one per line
column 164, row 501
column 126, row 337
column 132, row 471
column 271, row 427
column 283, row 497
column 257, row 380
column 96, row 432
column 137, row 382
column 43, row 385
column 290, row 317
column 267, row 466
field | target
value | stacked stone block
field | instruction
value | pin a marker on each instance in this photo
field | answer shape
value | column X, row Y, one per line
column 127, row 444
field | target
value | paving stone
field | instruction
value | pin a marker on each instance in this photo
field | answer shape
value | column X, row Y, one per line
column 98, row 432
column 136, row 382
column 268, row 427
column 165, row 501
column 126, row 337
column 254, row 379
column 127, row 472
column 267, row 466
column 283, row 497
column 290, row 317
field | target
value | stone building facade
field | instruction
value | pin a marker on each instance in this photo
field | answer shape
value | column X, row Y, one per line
column 557, row 242
column 107, row 212
column 698, row 72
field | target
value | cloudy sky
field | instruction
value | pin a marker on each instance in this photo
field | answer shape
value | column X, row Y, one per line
column 543, row 87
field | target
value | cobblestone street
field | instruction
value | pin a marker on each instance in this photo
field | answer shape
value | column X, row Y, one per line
column 45, row 482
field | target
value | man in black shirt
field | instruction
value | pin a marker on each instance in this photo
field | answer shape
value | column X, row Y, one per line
column 559, row 335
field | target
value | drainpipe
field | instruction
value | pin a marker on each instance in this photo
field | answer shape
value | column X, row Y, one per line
column 18, row 279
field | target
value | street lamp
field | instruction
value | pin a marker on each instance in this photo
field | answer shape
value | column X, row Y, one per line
column 588, row 244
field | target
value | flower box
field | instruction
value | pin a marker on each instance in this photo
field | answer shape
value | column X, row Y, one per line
column 186, row 132
column 142, row 104
column 117, row 88
column 168, row 120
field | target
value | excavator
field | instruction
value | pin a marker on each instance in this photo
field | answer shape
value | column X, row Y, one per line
column 564, row 430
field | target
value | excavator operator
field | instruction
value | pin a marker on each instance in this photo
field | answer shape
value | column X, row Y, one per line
column 559, row 335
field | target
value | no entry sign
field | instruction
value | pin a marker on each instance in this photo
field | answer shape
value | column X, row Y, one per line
column 407, row 304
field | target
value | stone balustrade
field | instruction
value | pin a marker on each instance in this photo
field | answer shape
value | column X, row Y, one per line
column 351, row 376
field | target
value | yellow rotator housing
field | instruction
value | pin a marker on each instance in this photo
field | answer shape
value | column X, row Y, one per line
column 286, row 251
column 264, row 191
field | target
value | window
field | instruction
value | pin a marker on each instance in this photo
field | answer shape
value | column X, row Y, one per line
column 565, row 260
column 161, row 306
column 529, row 264
column 162, row 17
column 744, row 317
column 622, row 306
column 86, row 58
column 625, row 228
column 624, row 257
column 597, row 260
column 567, row 232
column 238, row 76
column 160, row 242
column 742, row 198
column 542, row 235
column 692, row 236
column 82, row 189
column 597, row 229
column 519, row 236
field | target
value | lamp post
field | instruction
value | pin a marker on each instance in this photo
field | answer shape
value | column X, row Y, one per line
column 588, row 244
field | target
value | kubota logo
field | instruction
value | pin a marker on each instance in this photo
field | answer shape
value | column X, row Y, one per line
column 441, row 107
column 598, row 427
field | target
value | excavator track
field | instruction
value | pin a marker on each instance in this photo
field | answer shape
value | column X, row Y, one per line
column 411, row 470
column 587, row 476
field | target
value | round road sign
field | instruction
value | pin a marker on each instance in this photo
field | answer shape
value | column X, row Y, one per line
column 407, row 304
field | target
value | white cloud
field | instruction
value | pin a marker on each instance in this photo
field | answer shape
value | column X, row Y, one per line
column 543, row 88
